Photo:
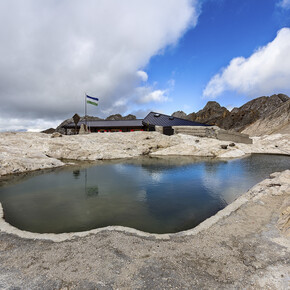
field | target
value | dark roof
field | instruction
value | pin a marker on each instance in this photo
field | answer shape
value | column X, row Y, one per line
column 166, row 121
column 109, row 123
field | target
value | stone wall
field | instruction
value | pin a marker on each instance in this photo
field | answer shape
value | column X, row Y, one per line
column 213, row 132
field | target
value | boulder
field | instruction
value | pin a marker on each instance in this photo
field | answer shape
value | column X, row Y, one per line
column 55, row 135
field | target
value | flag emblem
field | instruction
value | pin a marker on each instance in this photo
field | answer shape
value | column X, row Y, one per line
column 92, row 101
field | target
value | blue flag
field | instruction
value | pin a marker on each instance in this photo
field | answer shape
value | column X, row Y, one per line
column 96, row 99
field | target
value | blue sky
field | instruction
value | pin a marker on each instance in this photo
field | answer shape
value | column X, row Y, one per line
column 226, row 29
column 137, row 56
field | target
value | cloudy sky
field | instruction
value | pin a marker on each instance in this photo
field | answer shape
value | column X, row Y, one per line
column 137, row 56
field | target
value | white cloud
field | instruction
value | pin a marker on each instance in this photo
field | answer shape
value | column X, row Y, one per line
column 148, row 95
column 35, row 125
column 142, row 75
column 156, row 96
column 284, row 4
column 265, row 72
column 52, row 52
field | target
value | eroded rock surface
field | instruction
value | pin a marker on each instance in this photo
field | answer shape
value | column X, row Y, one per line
column 20, row 152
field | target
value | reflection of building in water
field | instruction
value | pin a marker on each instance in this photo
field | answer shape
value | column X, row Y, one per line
column 76, row 174
column 212, row 167
column 182, row 197
column 90, row 191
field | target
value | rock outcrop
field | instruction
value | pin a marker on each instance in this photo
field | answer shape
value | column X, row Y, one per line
column 212, row 114
column 179, row 114
column 48, row 131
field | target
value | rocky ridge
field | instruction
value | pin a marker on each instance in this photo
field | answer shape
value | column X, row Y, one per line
column 238, row 119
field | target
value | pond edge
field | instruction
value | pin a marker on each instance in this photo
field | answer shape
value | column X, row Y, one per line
column 9, row 229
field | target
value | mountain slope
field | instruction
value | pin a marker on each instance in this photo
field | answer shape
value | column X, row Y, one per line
column 278, row 121
column 239, row 118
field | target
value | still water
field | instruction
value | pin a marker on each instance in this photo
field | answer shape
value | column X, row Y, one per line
column 150, row 194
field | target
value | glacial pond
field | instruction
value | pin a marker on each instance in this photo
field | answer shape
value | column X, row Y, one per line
column 156, row 195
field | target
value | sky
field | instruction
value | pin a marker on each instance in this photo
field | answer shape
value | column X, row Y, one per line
column 137, row 56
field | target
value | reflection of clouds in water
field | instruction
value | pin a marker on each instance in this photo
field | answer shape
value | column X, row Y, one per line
column 120, row 168
column 156, row 176
column 231, row 193
column 139, row 172
column 219, row 184
column 142, row 195
column 211, row 181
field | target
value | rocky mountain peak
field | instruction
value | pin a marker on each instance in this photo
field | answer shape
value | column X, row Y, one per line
column 179, row 114
column 117, row 117
column 212, row 105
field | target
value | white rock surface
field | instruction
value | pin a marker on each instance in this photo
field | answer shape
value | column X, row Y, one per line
column 20, row 152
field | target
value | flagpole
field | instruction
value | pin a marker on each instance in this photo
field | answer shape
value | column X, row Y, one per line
column 86, row 110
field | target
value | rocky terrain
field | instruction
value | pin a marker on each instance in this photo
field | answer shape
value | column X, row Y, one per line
column 238, row 119
column 244, row 246
column 20, row 152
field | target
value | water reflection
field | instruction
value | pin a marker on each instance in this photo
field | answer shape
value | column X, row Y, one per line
column 76, row 174
column 155, row 195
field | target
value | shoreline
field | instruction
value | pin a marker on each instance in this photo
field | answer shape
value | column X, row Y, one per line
column 245, row 245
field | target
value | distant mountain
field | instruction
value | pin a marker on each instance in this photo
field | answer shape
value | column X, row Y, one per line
column 119, row 117
column 238, row 119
